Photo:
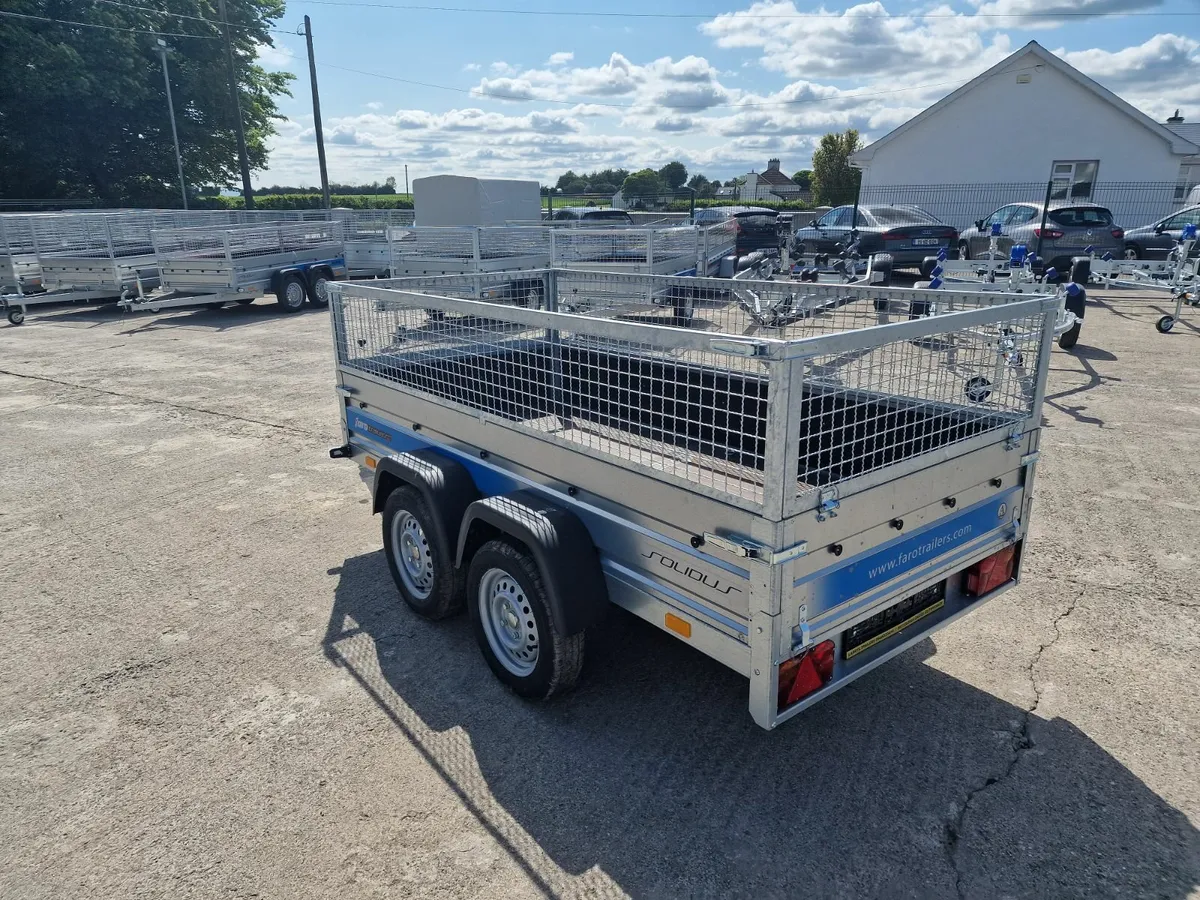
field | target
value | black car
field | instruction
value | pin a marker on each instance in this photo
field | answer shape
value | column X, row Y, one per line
column 1157, row 240
column 908, row 233
column 756, row 228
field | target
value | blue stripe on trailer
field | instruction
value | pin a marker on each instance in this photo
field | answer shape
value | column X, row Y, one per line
column 862, row 573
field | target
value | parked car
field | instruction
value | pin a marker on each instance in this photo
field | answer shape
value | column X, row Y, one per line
column 1070, row 230
column 593, row 215
column 908, row 233
column 1157, row 240
column 756, row 228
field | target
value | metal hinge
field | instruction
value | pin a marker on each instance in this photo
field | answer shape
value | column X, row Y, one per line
column 827, row 504
column 747, row 549
column 740, row 348
column 801, row 635
column 346, row 391
column 1014, row 440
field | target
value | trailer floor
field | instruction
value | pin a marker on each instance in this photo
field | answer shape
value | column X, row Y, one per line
column 209, row 688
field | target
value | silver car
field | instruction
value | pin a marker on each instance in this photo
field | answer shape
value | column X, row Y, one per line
column 1070, row 230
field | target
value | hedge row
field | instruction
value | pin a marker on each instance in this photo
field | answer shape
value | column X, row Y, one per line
column 307, row 201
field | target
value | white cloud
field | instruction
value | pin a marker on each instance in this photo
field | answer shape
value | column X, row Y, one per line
column 1156, row 76
column 472, row 67
column 374, row 104
column 1040, row 13
column 561, row 58
column 274, row 57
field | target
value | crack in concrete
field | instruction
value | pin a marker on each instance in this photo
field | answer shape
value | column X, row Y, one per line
column 1021, row 744
column 152, row 400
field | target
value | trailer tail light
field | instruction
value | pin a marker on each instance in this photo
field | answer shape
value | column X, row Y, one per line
column 1053, row 233
column 1118, row 233
column 988, row 574
column 803, row 675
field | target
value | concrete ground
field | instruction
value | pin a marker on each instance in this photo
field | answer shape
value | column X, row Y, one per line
column 209, row 688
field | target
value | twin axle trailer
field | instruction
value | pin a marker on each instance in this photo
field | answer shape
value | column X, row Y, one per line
column 801, row 501
column 214, row 266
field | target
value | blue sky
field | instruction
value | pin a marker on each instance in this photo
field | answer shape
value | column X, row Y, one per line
column 722, row 88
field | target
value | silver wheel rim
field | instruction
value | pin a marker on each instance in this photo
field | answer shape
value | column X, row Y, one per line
column 1130, row 253
column 410, row 549
column 294, row 293
column 508, row 622
column 321, row 291
column 16, row 317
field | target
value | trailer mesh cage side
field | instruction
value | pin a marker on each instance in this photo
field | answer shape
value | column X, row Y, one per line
column 244, row 241
column 605, row 363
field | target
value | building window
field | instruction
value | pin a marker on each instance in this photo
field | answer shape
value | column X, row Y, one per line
column 1189, row 177
column 1073, row 179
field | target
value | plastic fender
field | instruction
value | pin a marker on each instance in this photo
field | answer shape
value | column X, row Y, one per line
column 560, row 544
column 445, row 483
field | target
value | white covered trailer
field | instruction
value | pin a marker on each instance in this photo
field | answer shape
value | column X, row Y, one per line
column 449, row 200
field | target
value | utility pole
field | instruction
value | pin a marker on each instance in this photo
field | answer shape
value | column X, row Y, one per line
column 312, row 75
column 406, row 178
column 243, row 158
column 162, row 49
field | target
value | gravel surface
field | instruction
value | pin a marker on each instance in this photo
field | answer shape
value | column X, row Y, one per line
column 210, row 689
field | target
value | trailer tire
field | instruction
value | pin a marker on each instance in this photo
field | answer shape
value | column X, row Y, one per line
column 419, row 556
column 928, row 264
column 964, row 250
column 16, row 316
column 1081, row 270
column 1077, row 305
column 291, row 293
column 318, row 288
column 514, row 625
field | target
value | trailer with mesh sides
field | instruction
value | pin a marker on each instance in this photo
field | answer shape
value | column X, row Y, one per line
column 801, row 497
column 20, row 272
column 295, row 261
column 368, row 250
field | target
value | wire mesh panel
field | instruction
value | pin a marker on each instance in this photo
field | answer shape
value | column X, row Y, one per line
column 693, row 402
column 866, row 408
column 244, row 241
column 633, row 248
column 621, row 394
column 19, row 266
column 371, row 224
column 468, row 249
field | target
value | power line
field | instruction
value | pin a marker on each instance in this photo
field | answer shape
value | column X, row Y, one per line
column 575, row 13
column 202, row 37
column 475, row 92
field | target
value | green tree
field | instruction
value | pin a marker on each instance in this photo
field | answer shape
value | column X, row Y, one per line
column 389, row 184
column 803, row 179
column 83, row 111
column 646, row 183
column 673, row 174
column 834, row 181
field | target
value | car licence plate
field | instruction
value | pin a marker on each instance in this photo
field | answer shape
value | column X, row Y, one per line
column 925, row 242
column 893, row 620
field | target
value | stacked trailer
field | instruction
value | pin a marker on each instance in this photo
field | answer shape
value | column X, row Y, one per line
column 801, row 502
column 213, row 266
column 20, row 272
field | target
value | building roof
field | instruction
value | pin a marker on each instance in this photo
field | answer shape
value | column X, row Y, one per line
column 1189, row 131
column 1184, row 146
column 774, row 176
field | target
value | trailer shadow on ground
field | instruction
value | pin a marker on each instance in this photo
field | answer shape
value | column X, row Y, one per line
column 229, row 316
column 651, row 773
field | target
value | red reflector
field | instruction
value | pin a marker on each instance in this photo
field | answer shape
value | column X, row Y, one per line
column 802, row 675
column 988, row 574
column 1118, row 232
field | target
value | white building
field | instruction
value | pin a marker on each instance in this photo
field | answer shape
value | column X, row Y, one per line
column 770, row 184
column 1030, row 119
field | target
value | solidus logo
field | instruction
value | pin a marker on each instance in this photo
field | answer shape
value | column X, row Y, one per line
column 694, row 574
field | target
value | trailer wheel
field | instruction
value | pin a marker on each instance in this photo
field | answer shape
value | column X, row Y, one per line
column 1081, row 270
column 964, row 250
column 291, row 293
column 1165, row 324
column 419, row 556
column 1077, row 305
column 513, row 626
column 16, row 316
column 318, row 290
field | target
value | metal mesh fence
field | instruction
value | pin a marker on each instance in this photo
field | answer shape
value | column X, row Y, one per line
column 567, row 354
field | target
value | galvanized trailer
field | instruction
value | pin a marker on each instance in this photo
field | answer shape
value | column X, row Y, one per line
column 20, row 272
column 421, row 251
column 214, row 266
column 368, row 250
column 800, row 502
